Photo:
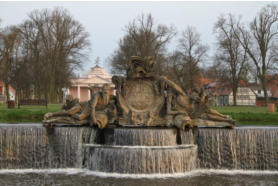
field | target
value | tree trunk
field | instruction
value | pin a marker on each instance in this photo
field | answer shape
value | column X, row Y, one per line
column 7, row 90
column 52, row 96
column 265, row 90
column 234, row 96
column 16, row 96
column 265, row 95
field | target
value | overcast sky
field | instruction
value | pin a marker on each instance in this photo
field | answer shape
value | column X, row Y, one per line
column 105, row 21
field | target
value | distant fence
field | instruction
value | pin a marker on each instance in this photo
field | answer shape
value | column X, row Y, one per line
column 32, row 102
column 261, row 102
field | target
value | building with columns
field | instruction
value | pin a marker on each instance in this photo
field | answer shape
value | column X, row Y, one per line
column 96, row 77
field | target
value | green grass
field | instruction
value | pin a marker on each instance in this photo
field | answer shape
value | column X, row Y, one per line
column 242, row 114
column 26, row 113
column 245, row 109
column 247, row 115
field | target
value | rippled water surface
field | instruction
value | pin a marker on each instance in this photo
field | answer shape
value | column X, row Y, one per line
column 78, row 177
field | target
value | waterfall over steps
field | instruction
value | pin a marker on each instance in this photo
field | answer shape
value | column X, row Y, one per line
column 138, row 150
column 140, row 136
column 32, row 146
column 241, row 148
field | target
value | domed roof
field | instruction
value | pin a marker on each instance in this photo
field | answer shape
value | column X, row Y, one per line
column 96, row 71
column 96, row 75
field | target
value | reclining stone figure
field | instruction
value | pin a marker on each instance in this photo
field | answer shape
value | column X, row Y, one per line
column 98, row 111
column 192, row 110
column 73, row 112
column 203, row 110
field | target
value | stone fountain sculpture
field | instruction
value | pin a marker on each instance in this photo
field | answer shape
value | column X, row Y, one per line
column 143, row 99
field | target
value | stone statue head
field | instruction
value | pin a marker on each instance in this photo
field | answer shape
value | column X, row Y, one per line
column 69, row 98
column 106, row 92
column 106, row 89
column 118, row 82
column 140, row 67
column 70, row 102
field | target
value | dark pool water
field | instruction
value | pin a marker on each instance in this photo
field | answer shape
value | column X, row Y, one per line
column 78, row 177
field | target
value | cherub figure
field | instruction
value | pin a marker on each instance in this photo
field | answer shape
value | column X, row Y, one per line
column 103, row 108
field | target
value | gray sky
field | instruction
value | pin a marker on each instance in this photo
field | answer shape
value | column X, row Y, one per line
column 105, row 21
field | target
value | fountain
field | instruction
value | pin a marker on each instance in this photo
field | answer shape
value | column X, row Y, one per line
column 146, row 111
column 150, row 127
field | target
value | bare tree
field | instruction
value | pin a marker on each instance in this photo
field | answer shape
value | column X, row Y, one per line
column 186, row 59
column 10, row 40
column 216, row 72
column 259, row 41
column 54, row 44
column 143, row 38
column 230, row 52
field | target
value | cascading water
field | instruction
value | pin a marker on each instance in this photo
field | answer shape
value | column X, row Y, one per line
column 240, row 148
column 141, row 136
column 140, row 151
column 31, row 146
column 187, row 136
column 141, row 159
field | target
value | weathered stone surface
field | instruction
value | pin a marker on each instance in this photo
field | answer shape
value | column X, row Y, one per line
column 99, row 111
column 143, row 99
column 141, row 102
column 209, row 123
column 147, row 100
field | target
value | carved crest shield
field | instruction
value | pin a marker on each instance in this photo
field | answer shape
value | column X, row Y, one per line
column 139, row 95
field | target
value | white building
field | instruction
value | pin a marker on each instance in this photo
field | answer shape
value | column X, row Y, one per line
column 245, row 96
column 224, row 94
column 96, row 77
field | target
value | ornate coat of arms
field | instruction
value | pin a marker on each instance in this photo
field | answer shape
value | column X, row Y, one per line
column 140, row 96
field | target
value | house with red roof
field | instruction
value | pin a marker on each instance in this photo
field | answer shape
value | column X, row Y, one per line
column 248, row 93
column 272, row 92
column 224, row 95
column 3, row 97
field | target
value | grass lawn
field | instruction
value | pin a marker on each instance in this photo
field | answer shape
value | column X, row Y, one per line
column 248, row 115
column 26, row 113
column 244, row 115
